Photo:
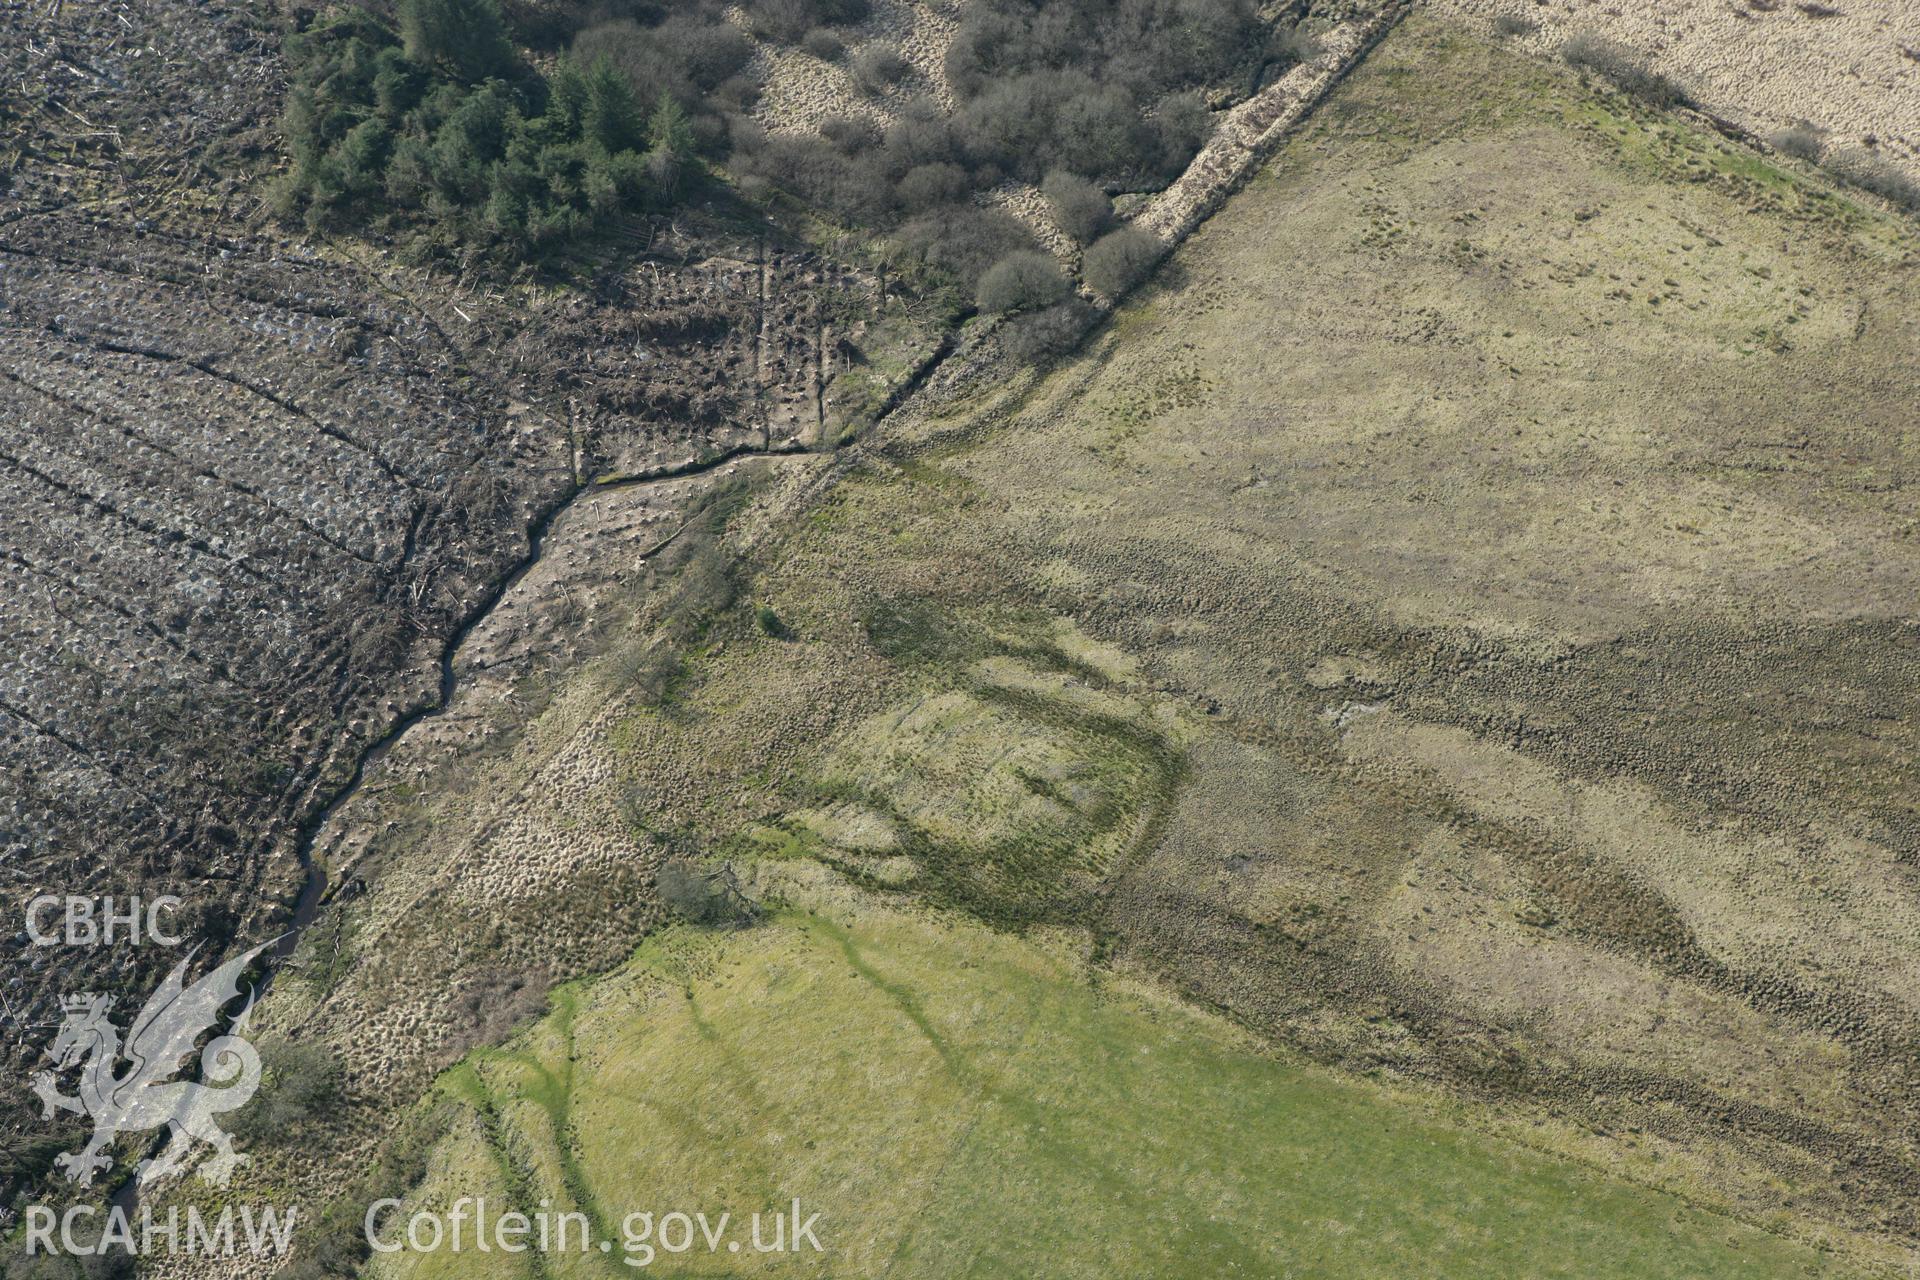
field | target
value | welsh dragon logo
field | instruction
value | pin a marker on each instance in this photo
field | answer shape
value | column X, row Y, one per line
column 145, row 1096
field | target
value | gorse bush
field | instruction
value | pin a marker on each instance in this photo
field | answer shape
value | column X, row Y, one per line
column 1051, row 331
column 1802, row 139
column 1022, row 281
column 1144, row 47
column 770, row 623
column 962, row 240
column 812, row 169
column 1079, row 94
column 436, row 130
column 928, row 186
column 1090, row 85
column 879, row 65
column 1030, row 123
column 788, row 21
column 850, row 134
column 1119, row 260
column 1622, row 68
column 823, row 44
column 1874, row 173
column 1080, row 209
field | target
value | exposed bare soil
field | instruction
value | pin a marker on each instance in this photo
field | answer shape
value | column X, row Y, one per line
column 252, row 485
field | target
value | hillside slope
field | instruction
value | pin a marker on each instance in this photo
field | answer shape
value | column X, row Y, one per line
column 1456, row 623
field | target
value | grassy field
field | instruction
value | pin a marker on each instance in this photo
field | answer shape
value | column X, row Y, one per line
column 1456, row 621
column 957, row 1103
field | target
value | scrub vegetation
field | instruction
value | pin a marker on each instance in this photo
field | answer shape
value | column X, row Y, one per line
column 473, row 133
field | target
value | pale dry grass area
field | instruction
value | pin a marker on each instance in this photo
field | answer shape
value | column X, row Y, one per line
column 1851, row 67
column 461, row 853
column 800, row 91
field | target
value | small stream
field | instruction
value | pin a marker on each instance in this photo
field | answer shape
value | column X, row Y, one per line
column 313, row 889
column 314, row 886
